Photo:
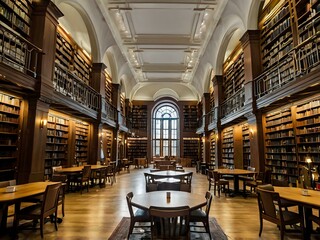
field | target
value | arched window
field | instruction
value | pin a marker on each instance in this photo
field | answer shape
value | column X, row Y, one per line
column 165, row 126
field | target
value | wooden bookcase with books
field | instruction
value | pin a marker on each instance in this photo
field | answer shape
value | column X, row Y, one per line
column 108, row 88
column 308, row 18
column 191, row 148
column 139, row 117
column 137, row 147
column 228, row 148
column 57, row 143
column 280, row 146
column 276, row 34
column 213, row 148
column 16, row 14
column 233, row 73
column 308, row 131
column 10, row 112
column 246, row 145
column 81, row 142
column 190, row 117
column 71, row 57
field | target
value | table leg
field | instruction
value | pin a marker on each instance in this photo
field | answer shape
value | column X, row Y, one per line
column 3, row 216
column 308, row 224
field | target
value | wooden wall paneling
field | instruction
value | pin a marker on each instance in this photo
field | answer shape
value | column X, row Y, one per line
column 43, row 34
column 31, row 166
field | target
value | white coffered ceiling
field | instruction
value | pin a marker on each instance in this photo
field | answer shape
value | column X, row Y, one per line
column 162, row 40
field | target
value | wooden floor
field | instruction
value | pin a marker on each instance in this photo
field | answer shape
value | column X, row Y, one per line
column 94, row 215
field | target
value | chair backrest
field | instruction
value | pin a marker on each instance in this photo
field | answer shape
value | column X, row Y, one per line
column 208, row 200
column 280, row 183
column 151, row 185
column 216, row 176
column 129, row 198
column 86, row 172
column 267, row 176
column 174, row 221
column 59, row 178
column 267, row 187
column 210, row 175
column 50, row 199
column 267, row 202
column 185, row 182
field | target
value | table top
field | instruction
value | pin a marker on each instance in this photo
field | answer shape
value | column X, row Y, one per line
column 79, row 168
column 235, row 171
column 159, row 199
column 169, row 173
column 295, row 195
column 23, row 191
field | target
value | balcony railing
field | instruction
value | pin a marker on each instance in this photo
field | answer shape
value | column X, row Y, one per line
column 233, row 103
column 298, row 62
column 73, row 87
column 17, row 52
column 212, row 115
column 111, row 111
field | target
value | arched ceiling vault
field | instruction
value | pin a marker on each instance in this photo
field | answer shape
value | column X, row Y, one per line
column 159, row 48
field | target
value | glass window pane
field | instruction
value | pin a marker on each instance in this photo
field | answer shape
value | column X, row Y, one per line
column 165, row 134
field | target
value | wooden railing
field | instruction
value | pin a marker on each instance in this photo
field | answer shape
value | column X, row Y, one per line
column 70, row 85
column 233, row 103
column 17, row 52
column 298, row 62
column 111, row 111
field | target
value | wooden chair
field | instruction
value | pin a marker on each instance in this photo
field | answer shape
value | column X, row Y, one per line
column 185, row 183
column 84, row 179
column 140, row 215
column 42, row 210
column 151, row 185
column 172, row 223
column 199, row 215
column 64, row 180
column 271, row 209
column 219, row 183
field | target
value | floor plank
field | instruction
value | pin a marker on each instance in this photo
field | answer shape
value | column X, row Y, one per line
column 94, row 215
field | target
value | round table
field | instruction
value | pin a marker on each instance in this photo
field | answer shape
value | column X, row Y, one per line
column 159, row 199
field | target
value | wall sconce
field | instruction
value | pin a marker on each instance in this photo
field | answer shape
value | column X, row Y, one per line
column 43, row 123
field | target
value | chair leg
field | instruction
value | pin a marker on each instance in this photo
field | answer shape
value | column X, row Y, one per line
column 41, row 226
column 261, row 226
column 214, row 189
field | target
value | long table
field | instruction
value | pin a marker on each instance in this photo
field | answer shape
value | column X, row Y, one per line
column 306, row 203
column 22, row 191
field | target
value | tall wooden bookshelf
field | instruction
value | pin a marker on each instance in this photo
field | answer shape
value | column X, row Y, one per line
column 233, row 73
column 16, row 14
column 191, row 148
column 57, row 143
column 308, row 131
column 139, row 117
column 71, row 57
column 276, row 33
column 10, row 111
column 213, row 148
column 137, row 147
column 190, row 117
column 81, row 142
column 246, row 145
column 228, row 148
column 280, row 145
column 108, row 88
